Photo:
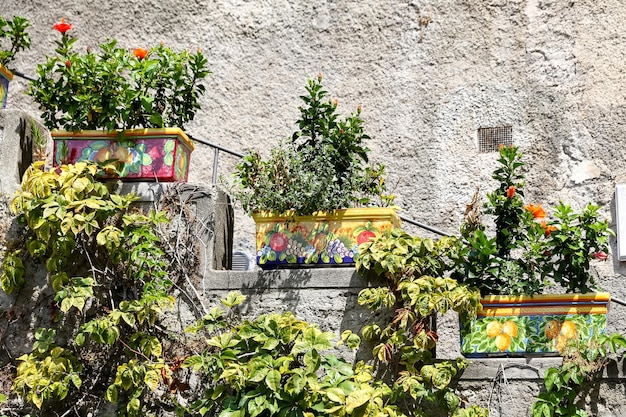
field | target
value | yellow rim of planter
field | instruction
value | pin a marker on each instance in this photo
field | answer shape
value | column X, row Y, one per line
column 546, row 298
column 8, row 74
column 114, row 134
column 545, row 304
column 369, row 213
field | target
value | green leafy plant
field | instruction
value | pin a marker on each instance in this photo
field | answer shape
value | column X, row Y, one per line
column 528, row 252
column 47, row 372
column 14, row 38
column 322, row 167
column 275, row 366
column 404, row 338
column 117, row 88
column 101, row 253
column 581, row 362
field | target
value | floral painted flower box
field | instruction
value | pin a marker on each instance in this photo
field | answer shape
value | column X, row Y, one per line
column 141, row 154
column 5, row 78
column 539, row 324
column 321, row 239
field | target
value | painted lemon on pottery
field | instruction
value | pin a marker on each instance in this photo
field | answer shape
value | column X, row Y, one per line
column 560, row 342
column 510, row 328
column 503, row 341
column 494, row 329
column 568, row 329
column 553, row 327
column 114, row 151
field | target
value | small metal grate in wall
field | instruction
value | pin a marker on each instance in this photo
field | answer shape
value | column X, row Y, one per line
column 241, row 262
column 490, row 138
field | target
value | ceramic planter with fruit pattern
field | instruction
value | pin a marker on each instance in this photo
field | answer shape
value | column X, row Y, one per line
column 139, row 154
column 5, row 78
column 321, row 239
column 540, row 324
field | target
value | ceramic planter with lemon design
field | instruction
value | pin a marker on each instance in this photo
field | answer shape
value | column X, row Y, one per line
column 539, row 324
column 321, row 239
column 140, row 154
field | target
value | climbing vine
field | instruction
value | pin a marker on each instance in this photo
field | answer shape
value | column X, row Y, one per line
column 109, row 277
column 404, row 337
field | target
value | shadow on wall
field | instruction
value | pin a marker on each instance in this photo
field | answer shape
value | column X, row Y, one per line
column 278, row 289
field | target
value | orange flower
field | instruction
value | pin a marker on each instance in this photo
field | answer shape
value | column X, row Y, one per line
column 62, row 26
column 548, row 228
column 140, row 53
column 510, row 192
column 537, row 211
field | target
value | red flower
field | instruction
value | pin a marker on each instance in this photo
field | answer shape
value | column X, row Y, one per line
column 68, row 63
column 62, row 26
column 537, row 211
column 140, row 53
column 510, row 192
column 601, row 256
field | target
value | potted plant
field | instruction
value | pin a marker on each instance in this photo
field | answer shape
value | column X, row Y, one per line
column 14, row 38
column 528, row 253
column 121, row 105
column 310, row 198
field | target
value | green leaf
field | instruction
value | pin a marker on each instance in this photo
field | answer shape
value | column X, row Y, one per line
column 272, row 379
column 111, row 394
column 151, row 379
column 133, row 406
column 336, row 395
column 156, row 120
column 357, row 398
column 76, row 380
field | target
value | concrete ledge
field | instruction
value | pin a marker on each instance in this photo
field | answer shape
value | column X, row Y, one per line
column 286, row 279
column 514, row 368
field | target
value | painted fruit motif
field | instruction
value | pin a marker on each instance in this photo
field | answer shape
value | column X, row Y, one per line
column 278, row 242
column 553, row 327
column 503, row 341
column 568, row 329
column 510, row 328
column 494, row 329
column 503, row 333
column 365, row 236
column 114, row 151
column 560, row 333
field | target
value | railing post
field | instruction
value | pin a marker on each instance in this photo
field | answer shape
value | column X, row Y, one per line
column 216, row 154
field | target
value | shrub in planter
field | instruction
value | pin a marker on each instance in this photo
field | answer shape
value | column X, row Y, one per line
column 529, row 253
column 114, row 89
column 322, row 168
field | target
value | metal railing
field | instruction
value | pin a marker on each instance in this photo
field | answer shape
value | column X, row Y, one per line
column 216, row 153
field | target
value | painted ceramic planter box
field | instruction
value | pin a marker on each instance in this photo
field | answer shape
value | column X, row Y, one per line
column 141, row 154
column 321, row 239
column 540, row 324
column 5, row 77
